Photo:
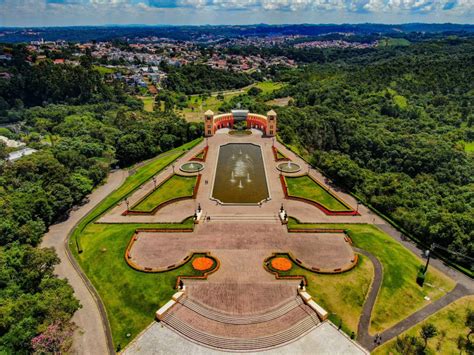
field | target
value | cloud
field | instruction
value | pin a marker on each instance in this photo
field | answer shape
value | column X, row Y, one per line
column 76, row 12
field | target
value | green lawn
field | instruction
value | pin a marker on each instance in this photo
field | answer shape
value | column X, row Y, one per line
column 130, row 297
column 141, row 175
column 196, row 106
column 342, row 295
column 305, row 187
column 450, row 324
column 148, row 103
column 392, row 42
column 469, row 147
column 175, row 187
column 280, row 155
column 268, row 86
column 399, row 295
column 104, row 70
column 200, row 155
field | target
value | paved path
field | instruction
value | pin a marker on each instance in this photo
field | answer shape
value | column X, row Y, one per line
column 91, row 337
column 325, row 339
column 367, row 340
column 363, row 335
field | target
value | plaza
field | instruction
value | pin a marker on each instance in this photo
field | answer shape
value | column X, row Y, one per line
column 241, row 305
column 234, row 243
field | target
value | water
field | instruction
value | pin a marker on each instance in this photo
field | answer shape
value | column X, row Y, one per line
column 191, row 167
column 289, row 167
column 240, row 174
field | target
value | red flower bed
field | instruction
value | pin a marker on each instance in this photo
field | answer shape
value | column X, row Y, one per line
column 281, row 264
column 202, row 263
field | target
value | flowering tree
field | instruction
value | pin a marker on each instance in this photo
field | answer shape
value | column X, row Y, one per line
column 56, row 338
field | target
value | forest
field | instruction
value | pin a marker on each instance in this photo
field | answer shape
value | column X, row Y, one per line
column 387, row 124
column 391, row 126
column 197, row 79
column 80, row 135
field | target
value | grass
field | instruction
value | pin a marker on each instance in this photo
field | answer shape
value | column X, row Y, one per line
column 393, row 42
column 450, row 324
column 148, row 103
column 200, row 155
column 305, row 187
column 280, row 155
column 342, row 295
column 131, row 298
column 196, row 106
column 141, row 175
column 399, row 295
column 268, row 87
column 175, row 187
column 469, row 147
column 104, row 70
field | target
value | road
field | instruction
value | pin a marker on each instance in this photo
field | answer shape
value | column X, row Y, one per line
column 91, row 336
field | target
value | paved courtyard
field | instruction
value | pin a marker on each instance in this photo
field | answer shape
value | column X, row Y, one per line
column 323, row 340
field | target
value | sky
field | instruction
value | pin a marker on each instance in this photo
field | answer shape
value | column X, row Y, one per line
column 31, row 13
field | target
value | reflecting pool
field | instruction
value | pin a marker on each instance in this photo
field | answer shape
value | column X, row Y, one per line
column 240, row 174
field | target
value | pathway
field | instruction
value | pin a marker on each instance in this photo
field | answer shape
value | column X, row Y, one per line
column 92, row 334
column 363, row 335
column 367, row 340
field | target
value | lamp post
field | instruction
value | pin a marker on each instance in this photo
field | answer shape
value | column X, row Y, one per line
column 428, row 256
column 358, row 204
column 127, row 203
column 172, row 167
column 154, row 182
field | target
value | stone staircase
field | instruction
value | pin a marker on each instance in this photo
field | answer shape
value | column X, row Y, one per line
column 258, row 332
column 248, row 319
column 244, row 218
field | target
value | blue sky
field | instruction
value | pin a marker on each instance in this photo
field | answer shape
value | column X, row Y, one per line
column 196, row 12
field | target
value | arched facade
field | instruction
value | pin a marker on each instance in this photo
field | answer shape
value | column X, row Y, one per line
column 267, row 124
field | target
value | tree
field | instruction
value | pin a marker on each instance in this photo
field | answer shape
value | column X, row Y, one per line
column 427, row 332
column 470, row 322
column 408, row 345
column 3, row 151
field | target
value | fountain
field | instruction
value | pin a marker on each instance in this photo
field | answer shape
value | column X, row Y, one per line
column 243, row 179
column 192, row 167
column 289, row 167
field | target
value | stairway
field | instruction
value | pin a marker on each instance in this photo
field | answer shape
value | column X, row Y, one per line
column 241, row 333
column 250, row 319
column 245, row 218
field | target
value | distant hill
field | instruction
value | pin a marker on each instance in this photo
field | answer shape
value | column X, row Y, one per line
column 204, row 33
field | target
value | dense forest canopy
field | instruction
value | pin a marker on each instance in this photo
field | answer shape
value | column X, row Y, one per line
column 390, row 126
column 100, row 127
column 387, row 123
column 196, row 79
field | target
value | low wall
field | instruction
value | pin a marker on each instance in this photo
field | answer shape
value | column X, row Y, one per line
column 317, row 270
column 275, row 155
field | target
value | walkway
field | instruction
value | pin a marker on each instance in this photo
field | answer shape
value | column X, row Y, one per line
column 91, row 336
column 367, row 340
column 325, row 339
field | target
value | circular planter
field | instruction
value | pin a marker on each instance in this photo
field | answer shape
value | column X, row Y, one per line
column 191, row 167
column 289, row 167
column 202, row 263
column 281, row 264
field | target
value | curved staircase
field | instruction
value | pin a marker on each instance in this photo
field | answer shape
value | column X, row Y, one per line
column 256, row 332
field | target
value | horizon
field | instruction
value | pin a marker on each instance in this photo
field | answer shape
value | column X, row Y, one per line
column 248, row 25
column 66, row 13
